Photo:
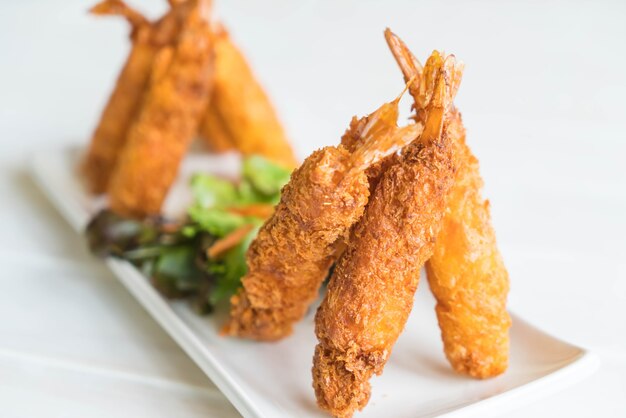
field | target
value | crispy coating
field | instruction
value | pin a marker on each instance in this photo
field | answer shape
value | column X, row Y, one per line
column 179, row 91
column 125, row 100
column 466, row 272
column 467, row 275
column 240, row 114
column 370, row 294
column 294, row 250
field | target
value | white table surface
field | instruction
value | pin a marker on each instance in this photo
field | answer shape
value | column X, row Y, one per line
column 543, row 99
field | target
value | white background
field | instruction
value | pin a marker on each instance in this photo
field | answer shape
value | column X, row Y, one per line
column 543, row 101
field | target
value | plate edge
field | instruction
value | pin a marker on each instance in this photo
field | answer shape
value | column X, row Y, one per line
column 586, row 363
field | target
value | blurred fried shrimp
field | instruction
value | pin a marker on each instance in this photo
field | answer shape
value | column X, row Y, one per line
column 179, row 90
column 240, row 114
column 213, row 131
column 295, row 248
column 119, row 112
column 466, row 272
column 370, row 294
column 123, row 106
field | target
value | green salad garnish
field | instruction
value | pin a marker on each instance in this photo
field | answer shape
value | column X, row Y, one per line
column 203, row 256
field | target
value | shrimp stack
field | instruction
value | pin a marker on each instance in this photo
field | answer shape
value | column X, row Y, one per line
column 295, row 248
column 178, row 79
column 403, row 210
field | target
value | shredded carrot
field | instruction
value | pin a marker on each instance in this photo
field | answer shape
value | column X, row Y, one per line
column 229, row 241
column 260, row 210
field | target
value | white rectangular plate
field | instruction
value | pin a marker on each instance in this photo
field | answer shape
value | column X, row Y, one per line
column 273, row 380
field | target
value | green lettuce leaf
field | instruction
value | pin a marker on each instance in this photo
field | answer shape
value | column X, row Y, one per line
column 216, row 221
column 249, row 194
column 211, row 191
column 264, row 175
column 228, row 277
column 175, row 272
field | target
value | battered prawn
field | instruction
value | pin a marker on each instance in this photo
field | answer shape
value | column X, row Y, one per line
column 466, row 272
column 125, row 101
column 169, row 116
column 240, row 115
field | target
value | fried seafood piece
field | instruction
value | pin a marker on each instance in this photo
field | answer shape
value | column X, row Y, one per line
column 240, row 115
column 371, row 291
column 124, row 103
column 466, row 272
column 178, row 93
column 351, row 140
column 295, row 248
column 468, row 278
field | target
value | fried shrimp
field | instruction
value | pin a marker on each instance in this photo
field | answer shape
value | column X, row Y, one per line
column 295, row 248
column 466, row 272
column 119, row 112
column 169, row 116
column 240, row 115
column 125, row 101
column 371, row 291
